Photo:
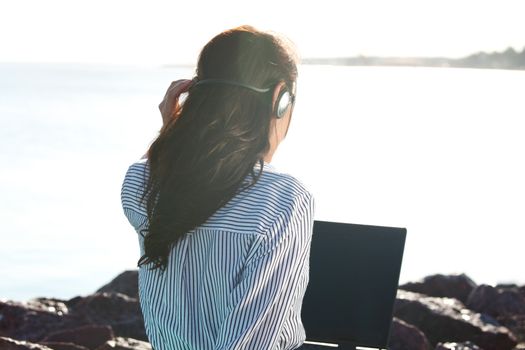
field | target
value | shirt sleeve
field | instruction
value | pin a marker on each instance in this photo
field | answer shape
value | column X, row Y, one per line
column 267, row 291
column 132, row 187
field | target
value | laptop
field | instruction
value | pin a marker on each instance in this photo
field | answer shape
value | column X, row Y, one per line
column 354, row 275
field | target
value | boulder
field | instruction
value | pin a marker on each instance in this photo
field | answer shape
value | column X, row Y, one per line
column 121, row 343
column 117, row 310
column 37, row 318
column 496, row 301
column 90, row 336
column 449, row 286
column 31, row 320
column 57, row 306
column 507, row 286
column 516, row 324
column 506, row 303
column 448, row 320
column 125, row 283
column 406, row 336
column 458, row 346
column 13, row 344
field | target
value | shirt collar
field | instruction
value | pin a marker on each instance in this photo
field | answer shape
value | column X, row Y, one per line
column 266, row 166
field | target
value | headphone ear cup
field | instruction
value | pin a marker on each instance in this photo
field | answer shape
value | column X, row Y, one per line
column 279, row 113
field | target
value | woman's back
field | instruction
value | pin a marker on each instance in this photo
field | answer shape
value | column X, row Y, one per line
column 238, row 280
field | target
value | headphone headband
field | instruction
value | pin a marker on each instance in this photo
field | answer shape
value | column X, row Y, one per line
column 279, row 108
column 230, row 82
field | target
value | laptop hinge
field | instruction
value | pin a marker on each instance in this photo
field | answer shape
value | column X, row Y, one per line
column 340, row 346
column 320, row 343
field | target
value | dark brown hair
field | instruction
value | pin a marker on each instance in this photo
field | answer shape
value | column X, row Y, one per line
column 202, row 156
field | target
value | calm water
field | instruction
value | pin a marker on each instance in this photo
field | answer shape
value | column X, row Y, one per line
column 436, row 150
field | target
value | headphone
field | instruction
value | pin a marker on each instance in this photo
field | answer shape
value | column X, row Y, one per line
column 285, row 99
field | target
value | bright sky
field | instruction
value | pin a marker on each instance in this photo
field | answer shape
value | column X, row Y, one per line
column 169, row 32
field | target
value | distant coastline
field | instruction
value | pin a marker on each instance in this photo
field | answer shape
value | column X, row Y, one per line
column 508, row 59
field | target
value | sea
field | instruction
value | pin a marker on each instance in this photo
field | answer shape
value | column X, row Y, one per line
column 439, row 151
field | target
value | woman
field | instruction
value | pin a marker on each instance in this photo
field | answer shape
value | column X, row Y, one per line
column 224, row 236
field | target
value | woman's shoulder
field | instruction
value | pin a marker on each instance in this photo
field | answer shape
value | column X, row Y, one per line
column 275, row 194
column 276, row 179
column 277, row 191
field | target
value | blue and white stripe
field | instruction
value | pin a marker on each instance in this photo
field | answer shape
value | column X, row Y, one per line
column 238, row 280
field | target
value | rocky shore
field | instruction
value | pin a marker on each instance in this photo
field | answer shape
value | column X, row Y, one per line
column 439, row 312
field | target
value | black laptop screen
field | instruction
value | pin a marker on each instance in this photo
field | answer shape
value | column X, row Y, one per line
column 354, row 275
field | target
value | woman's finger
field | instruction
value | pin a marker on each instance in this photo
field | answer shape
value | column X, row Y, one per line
column 170, row 104
column 179, row 87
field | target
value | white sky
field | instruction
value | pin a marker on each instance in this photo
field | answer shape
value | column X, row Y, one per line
column 169, row 32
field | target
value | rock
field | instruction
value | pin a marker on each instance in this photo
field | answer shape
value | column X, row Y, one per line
column 90, row 336
column 516, row 324
column 458, row 346
column 449, row 286
column 35, row 319
column 125, row 283
column 496, row 302
column 117, row 310
column 507, row 286
column 448, row 320
column 121, row 343
column 63, row 346
column 12, row 344
column 57, row 306
column 406, row 336
column 31, row 320
column 506, row 303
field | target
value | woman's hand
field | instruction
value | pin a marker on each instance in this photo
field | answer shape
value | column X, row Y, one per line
column 170, row 104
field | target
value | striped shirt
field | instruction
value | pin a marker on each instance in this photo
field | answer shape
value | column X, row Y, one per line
column 238, row 280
